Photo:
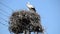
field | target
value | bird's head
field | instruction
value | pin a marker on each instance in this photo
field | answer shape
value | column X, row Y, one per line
column 31, row 7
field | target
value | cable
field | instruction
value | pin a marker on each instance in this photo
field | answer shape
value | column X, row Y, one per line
column 6, row 6
column 4, row 11
column 3, row 19
column 4, row 14
column 4, row 24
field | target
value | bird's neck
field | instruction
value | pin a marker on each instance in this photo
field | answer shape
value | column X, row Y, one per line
column 32, row 11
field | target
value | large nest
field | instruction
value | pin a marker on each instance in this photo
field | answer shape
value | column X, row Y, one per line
column 24, row 20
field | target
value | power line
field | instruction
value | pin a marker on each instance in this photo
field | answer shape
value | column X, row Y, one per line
column 3, row 19
column 4, row 24
column 4, row 11
column 6, row 6
column 4, row 14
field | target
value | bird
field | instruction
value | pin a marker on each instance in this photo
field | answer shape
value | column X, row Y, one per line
column 31, row 7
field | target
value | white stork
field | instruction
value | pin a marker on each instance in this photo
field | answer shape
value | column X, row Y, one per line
column 31, row 7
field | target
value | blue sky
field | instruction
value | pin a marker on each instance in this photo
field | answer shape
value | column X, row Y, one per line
column 49, row 10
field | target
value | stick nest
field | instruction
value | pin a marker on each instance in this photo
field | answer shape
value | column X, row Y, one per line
column 25, row 20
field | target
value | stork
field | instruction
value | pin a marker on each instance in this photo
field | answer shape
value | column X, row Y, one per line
column 31, row 7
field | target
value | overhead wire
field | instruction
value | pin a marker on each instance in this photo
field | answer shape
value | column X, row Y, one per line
column 6, row 6
column 4, row 11
column 3, row 18
column 5, row 14
column 4, row 24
